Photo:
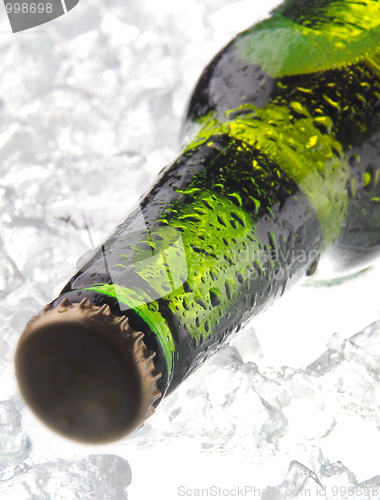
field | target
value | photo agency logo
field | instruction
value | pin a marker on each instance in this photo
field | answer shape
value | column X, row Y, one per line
column 24, row 15
column 153, row 262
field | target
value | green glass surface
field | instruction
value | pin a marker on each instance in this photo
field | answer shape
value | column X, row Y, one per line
column 266, row 171
column 310, row 36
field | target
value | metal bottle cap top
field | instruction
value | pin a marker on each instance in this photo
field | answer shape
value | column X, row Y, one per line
column 85, row 372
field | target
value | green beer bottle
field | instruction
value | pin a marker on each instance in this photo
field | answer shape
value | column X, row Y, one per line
column 278, row 179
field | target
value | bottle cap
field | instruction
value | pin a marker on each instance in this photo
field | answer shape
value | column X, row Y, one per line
column 85, row 372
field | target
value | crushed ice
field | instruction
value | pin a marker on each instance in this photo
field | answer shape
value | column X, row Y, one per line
column 97, row 477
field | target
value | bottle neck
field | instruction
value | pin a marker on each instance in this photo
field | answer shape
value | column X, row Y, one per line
column 219, row 237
